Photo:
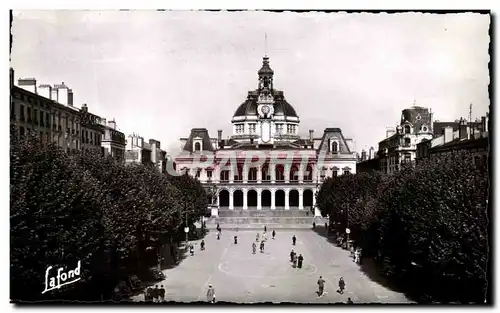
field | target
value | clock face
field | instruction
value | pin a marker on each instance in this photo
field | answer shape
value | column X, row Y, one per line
column 265, row 109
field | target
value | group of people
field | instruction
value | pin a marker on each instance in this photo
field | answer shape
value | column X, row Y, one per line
column 296, row 260
column 356, row 255
column 321, row 287
column 155, row 294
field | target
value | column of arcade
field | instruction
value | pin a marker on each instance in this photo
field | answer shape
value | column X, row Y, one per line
column 266, row 198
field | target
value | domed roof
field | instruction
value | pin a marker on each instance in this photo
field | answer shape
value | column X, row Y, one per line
column 281, row 106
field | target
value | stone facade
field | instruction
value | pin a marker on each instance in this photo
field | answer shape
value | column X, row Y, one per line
column 265, row 164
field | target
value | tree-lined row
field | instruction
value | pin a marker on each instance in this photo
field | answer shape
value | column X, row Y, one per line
column 426, row 225
column 85, row 207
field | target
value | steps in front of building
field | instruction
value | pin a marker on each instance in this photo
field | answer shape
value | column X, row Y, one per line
column 260, row 227
column 260, row 220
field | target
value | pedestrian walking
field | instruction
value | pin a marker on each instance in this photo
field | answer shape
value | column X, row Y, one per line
column 235, row 240
column 148, row 296
column 257, row 237
column 314, row 225
column 274, row 233
column 292, row 254
column 294, row 265
column 191, row 249
column 218, row 236
column 341, row 285
column 300, row 259
column 202, row 245
column 218, row 227
column 326, row 227
column 264, row 237
column 262, row 247
column 294, row 239
column 321, row 286
column 162, row 293
column 349, row 301
column 156, row 294
column 265, row 228
column 211, row 294
column 254, row 248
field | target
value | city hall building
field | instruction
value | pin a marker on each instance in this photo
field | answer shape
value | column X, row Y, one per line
column 265, row 164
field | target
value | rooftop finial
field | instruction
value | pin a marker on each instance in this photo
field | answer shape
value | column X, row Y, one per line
column 265, row 45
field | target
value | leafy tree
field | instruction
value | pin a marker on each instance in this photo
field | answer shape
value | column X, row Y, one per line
column 434, row 233
column 54, row 217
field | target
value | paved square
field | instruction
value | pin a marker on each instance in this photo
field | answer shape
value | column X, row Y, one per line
column 240, row 276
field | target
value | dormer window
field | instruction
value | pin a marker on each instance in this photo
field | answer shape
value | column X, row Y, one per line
column 252, row 128
column 197, row 144
column 334, row 146
column 407, row 129
column 240, row 128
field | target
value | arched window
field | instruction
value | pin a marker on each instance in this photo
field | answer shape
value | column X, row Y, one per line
column 197, row 146
column 335, row 146
column 407, row 129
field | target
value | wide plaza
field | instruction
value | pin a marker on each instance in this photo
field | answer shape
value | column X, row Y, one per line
column 242, row 277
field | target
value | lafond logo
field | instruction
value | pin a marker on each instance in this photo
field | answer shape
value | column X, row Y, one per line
column 61, row 279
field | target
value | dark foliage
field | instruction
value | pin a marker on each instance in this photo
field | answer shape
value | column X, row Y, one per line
column 88, row 208
column 425, row 225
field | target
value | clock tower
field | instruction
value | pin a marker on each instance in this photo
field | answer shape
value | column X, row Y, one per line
column 265, row 103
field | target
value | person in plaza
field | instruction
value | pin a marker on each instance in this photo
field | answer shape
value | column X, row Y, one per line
column 254, row 247
column 294, row 265
column 191, row 249
column 218, row 235
column 292, row 255
column 341, row 285
column 349, row 301
column 257, row 238
column 161, row 291
column 156, row 294
column 264, row 237
column 352, row 253
column 235, row 239
column 274, row 233
column 211, row 294
column 218, row 227
column 300, row 259
column 294, row 240
column 321, row 286
column 314, row 225
column 202, row 245
column 148, row 295
column 262, row 246
column 265, row 228
column 326, row 226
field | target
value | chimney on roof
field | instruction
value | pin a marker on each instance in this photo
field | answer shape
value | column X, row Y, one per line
column 85, row 108
column 363, row 155
column 11, row 76
column 311, row 134
column 112, row 124
column 389, row 132
column 219, row 135
column 463, row 129
column 448, row 134
column 27, row 84
column 63, row 94
column 371, row 153
column 70, row 97
column 45, row 91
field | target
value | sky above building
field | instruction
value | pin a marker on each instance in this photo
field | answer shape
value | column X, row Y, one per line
column 159, row 74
